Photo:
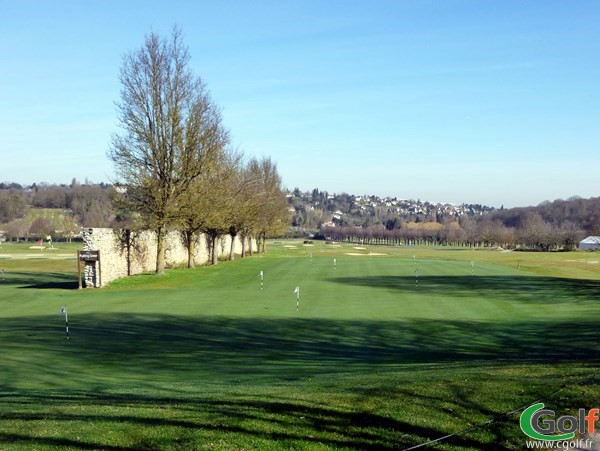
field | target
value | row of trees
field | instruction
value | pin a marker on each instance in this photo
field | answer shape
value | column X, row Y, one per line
column 61, row 226
column 174, row 161
column 88, row 205
column 531, row 233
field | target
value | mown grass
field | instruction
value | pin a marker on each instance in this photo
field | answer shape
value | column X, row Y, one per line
column 10, row 249
column 372, row 360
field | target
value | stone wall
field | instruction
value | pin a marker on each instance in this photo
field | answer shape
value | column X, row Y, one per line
column 124, row 252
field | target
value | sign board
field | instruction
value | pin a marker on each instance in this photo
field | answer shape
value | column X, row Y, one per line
column 89, row 256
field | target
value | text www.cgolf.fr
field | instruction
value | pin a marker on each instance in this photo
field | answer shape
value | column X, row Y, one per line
column 563, row 445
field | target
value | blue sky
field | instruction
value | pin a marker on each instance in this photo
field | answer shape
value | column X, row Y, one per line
column 493, row 102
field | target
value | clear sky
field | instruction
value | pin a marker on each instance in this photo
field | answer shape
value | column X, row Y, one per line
column 493, row 102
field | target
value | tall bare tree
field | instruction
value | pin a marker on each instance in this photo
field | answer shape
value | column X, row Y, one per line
column 170, row 128
column 218, row 201
column 201, row 206
column 246, row 199
column 272, row 217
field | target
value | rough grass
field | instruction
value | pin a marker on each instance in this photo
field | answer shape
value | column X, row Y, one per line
column 372, row 360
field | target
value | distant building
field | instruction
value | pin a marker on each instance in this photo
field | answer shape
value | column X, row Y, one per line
column 590, row 243
column 121, row 189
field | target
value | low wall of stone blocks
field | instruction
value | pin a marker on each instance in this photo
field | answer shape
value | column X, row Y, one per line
column 125, row 252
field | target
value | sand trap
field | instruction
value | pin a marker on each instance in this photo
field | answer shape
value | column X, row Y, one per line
column 361, row 248
column 308, row 245
column 372, row 254
column 290, row 246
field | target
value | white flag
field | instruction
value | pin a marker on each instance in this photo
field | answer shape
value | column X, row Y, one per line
column 297, row 290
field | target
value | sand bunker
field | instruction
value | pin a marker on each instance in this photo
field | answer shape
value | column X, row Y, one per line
column 361, row 248
column 372, row 254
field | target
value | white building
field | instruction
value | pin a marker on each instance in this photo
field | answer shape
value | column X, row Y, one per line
column 590, row 243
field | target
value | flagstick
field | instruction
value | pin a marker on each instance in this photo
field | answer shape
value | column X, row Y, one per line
column 262, row 280
column 298, row 299
column 66, row 322
column 416, row 277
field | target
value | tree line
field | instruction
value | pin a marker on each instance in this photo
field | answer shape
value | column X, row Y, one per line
column 175, row 165
column 87, row 205
column 558, row 225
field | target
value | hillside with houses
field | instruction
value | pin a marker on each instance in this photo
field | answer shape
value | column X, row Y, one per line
column 314, row 209
column 557, row 225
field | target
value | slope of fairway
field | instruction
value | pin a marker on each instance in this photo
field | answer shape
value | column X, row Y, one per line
column 383, row 352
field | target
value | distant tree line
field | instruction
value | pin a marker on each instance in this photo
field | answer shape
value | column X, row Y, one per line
column 76, row 205
column 557, row 225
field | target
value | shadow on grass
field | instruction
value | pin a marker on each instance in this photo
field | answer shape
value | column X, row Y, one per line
column 31, row 442
column 242, row 419
column 285, row 348
column 145, row 351
column 40, row 280
column 530, row 288
column 234, row 350
column 290, row 423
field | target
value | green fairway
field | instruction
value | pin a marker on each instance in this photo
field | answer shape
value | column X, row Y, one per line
column 374, row 358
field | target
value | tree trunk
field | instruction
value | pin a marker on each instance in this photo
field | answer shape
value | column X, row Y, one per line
column 250, row 245
column 243, row 240
column 215, row 258
column 128, row 246
column 264, row 242
column 191, row 246
column 160, row 250
column 232, row 247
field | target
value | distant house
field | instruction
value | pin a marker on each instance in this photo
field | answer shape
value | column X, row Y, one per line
column 590, row 243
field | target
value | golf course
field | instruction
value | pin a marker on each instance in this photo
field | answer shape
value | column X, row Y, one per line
column 381, row 347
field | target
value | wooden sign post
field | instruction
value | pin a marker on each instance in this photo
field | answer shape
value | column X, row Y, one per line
column 88, row 257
